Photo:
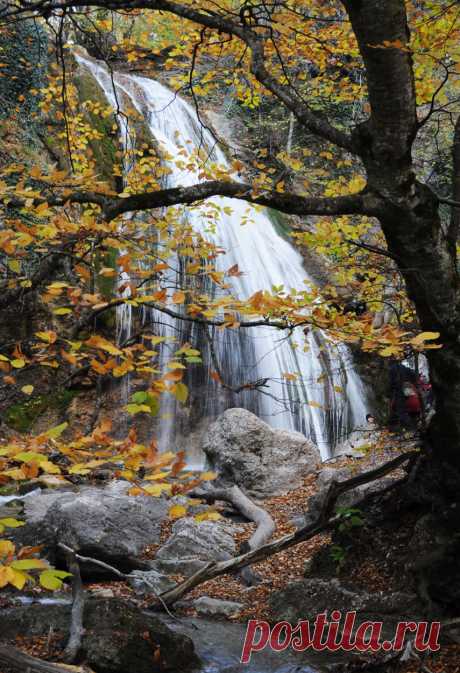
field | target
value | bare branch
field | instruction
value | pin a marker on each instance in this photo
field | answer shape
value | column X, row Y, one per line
column 78, row 593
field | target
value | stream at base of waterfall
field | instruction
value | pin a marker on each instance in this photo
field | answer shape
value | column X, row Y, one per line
column 266, row 259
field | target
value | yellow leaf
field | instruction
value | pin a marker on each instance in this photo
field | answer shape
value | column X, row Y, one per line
column 136, row 490
column 208, row 516
column 18, row 364
column 158, row 476
column 18, row 579
column 178, row 297
column 15, row 474
column 6, row 574
column 157, row 489
column 27, row 390
column 180, row 392
column 99, row 342
column 6, row 548
column 62, row 311
column 14, row 265
column 424, row 336
column 208, row 476
column 177, row 511
column 49, row 467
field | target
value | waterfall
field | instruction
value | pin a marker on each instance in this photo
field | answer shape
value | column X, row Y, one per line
column 327, row 399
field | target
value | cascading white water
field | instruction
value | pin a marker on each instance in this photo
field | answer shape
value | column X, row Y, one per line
column 312, row 403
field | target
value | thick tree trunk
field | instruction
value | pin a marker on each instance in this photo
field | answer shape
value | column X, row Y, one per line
column 409, row 213
column 426, row 261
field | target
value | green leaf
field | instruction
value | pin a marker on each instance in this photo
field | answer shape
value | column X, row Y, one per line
column 52, row 579
column 137, row 408
column 29, row 564
column 29, row 457
column 181, row 392
column 154, row 404
column 140, row 397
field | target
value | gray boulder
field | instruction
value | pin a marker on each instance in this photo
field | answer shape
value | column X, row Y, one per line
column 150, row 582
column 359, row 442
column 101, row 523
column 348, row 499
column 213, row 607
column 246, row 451
column 192, row 545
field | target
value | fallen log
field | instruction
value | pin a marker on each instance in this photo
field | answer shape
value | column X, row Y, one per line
column 20, row 661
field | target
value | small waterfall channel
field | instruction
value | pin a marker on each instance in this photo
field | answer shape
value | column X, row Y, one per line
column 327, row 399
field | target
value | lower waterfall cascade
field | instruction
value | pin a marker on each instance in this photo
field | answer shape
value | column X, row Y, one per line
column 266, row 259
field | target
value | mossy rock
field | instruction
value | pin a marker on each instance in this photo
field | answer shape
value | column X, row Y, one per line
column 23, row 51
column 22, row 415
column 105, row 149
column 281, row 223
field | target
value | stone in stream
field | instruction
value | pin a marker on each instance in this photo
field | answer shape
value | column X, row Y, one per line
column 214, row 607
column 246, row 451
column 193, row 544
column 118, row 637
column 106, row 524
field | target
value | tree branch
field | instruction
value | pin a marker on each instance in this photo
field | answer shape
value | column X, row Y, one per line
column 78, row 594
column 290, row 203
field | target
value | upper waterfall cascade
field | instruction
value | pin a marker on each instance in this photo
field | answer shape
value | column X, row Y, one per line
column 266, row 259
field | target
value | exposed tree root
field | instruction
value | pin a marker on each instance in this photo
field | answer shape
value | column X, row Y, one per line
column 265, row 524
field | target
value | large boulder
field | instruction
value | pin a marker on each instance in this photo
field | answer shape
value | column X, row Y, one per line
column 106, row 524
column 118, row 637
column 193, row 544
column 246, row 451
column 308, row 598
column 348, row 499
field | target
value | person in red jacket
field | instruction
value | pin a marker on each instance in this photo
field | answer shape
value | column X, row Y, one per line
column 412, row 402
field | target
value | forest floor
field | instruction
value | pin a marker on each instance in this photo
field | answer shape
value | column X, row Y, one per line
column 368, row 568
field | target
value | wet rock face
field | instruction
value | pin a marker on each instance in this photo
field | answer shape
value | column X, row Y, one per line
column 121, row 639
column 246, row 451
column 310, row 597
column 118, row 637
column 101, row 523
